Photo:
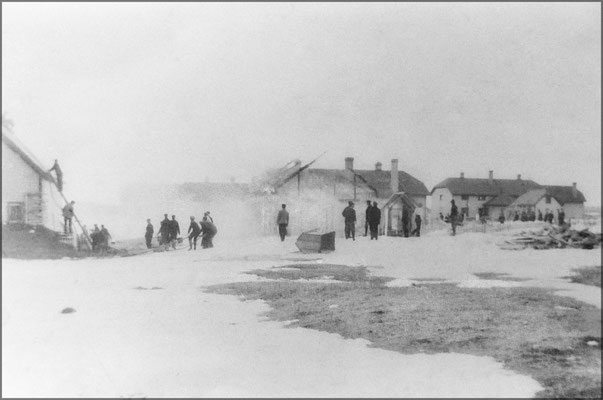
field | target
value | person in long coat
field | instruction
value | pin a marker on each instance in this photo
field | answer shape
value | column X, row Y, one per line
column 417, row 230
column 374, row 219
column 349, row 216
column 164, row 230
column 367, row 217
column 454, row 213
column 174, row 231
column 148, row 236
column 282, row 221
column 209, row 230
column 193, row 234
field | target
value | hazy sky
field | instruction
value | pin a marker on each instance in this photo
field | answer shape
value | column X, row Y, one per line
column 168, row 92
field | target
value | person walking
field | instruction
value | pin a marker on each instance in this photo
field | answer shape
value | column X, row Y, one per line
column 349, row 215
column 193, row 234
column 367, row 217
column 454, row 212
column 374, row 219
column 417, row 230
column 148, row 236
column 67, row 216
column 173, row 232
column 282, row 220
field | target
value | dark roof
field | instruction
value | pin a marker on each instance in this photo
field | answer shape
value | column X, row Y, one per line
column 502, row 200
column 564, row 194
column 381, row 180
column 13, row 143
column 487, row 187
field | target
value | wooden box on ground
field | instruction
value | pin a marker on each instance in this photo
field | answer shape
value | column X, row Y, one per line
column 316, row 242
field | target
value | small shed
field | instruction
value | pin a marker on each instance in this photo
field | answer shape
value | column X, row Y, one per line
column 316, row 242
column 398, row 205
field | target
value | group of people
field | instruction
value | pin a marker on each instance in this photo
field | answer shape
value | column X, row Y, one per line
column 100, row 238
column 372, row 221
column 547, row 217
column 169, row 230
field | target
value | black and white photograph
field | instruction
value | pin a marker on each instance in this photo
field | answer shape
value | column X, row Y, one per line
column 301, row 200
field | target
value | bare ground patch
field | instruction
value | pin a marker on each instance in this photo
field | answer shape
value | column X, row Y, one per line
column 586, row 276
column 499, row 276
column 554, row 339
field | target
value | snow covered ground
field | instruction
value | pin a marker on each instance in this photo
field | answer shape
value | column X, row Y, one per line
column 144, row 327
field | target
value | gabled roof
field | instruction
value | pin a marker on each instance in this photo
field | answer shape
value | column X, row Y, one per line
column 401, row 196
column 14, row 144
column 565, row 194
column 502, row 200
column 339, row 176
column 486, row 187
column 381, row 180
column 530, row 198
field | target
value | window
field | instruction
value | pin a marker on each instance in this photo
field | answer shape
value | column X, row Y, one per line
column 464, row 197
column 441, row 197
column 481, row 198
column 15, row 212
column 548, row 199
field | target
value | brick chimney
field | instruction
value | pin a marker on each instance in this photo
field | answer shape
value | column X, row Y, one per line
column 575, row 190
column 491, row 176
column 394, row 176
column 378, row 166
column 349, row 163
column 462, row 175
column 518, row 177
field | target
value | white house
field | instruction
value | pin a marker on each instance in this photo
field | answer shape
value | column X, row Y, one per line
column 29, row 193
column 475, row 196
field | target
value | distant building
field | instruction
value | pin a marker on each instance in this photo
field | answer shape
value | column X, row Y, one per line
column 29, row 193
column 335, row 187
column 492, row 197
column 473, row 196
column 534, row 201
column 570, row 198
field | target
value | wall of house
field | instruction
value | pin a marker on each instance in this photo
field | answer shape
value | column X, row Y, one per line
column 18, row 179
column 52, row 206
column 574, row 210
column 440, row 202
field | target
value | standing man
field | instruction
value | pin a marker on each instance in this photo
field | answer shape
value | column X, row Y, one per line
column 57, row 170
column 164, row 230
column 105, row 239
column 560, row 216
column 405, row 222
column 282, row 221
column 193, row 233
column 367, row 216
column 349, row 215
column 148, row 236
column 454, row 212
column 68, row 215
column 174, row 231
column 417, row 230
column 209, row 218
column 374, row 219
column 209, row 231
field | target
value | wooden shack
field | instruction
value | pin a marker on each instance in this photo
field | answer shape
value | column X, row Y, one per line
column 392, row 212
